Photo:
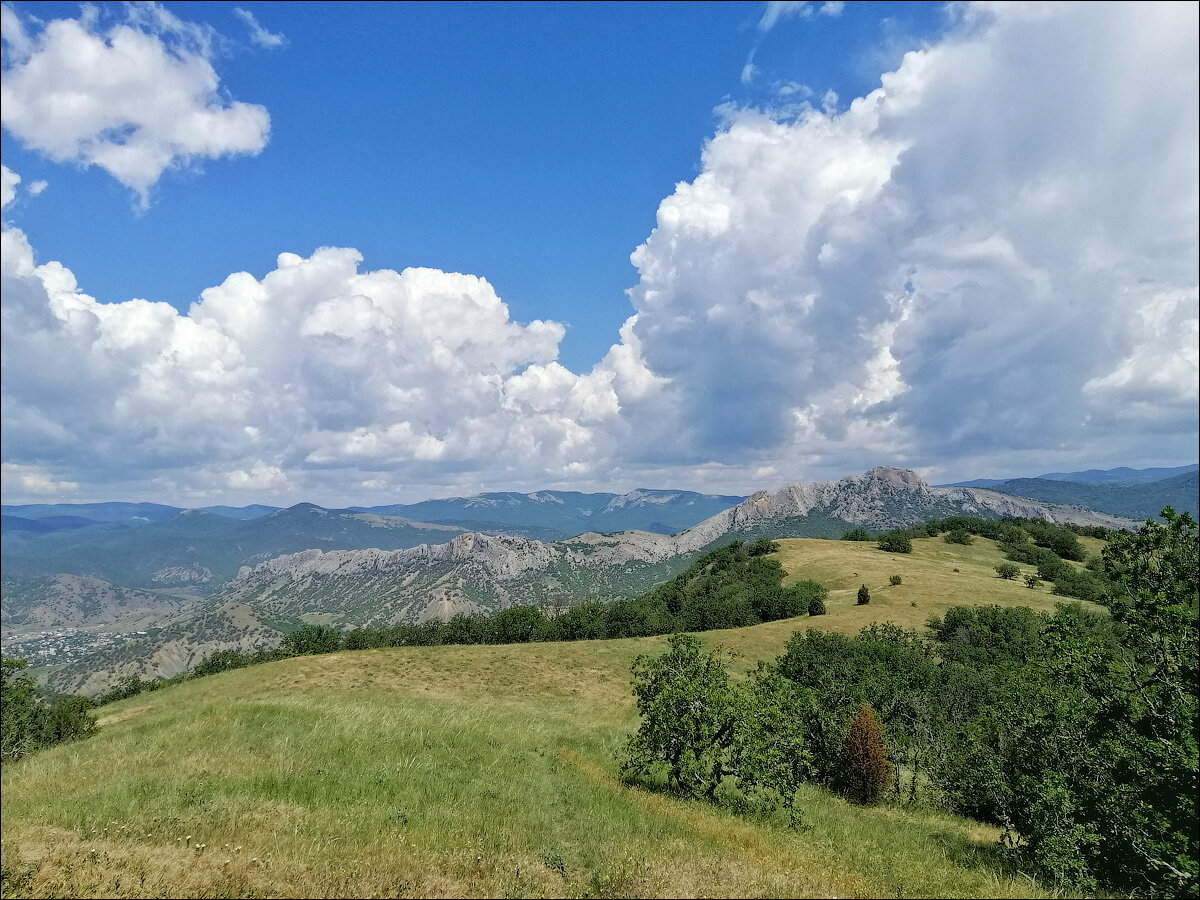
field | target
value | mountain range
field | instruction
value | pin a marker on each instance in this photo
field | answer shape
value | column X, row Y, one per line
column 1119, row 475
column 547, row 515
column 1135, row 499
column 474, row 572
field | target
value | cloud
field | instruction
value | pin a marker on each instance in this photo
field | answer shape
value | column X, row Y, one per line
column 8, row 185
column 315, row 367
column 988, row 263
column 992, row 254
column 134, row 98
column 258, row 34
column 36, row 187
column 995, row 252
column 34, row 480
column 776, row 10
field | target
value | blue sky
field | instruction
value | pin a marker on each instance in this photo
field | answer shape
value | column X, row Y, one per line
column 976, row 259
column 528, row 143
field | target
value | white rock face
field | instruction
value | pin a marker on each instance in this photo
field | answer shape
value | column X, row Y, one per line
column 884, row 497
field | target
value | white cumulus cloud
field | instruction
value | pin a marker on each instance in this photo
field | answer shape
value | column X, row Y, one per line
column 988, row 263
column 8, row 185
column 314, row 367
column 994, row 253
column 134, row 98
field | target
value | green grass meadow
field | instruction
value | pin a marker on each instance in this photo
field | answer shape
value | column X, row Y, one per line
column 474, row 771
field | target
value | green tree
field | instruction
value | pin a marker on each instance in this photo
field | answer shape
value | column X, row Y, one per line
column 1100, row 755
column 691, row 715
column 20, row 711
column 1008, row 571
column 864, row 596
column 27, row 723
column 308, row 639
column 895, row 543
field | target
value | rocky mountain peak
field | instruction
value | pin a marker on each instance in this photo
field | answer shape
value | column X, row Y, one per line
column 892, row 477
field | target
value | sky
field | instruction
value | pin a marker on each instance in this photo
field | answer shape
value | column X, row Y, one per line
column 371, row 253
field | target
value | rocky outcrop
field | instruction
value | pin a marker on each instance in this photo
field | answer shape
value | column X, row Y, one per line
column 495, row 571
column 475, row 573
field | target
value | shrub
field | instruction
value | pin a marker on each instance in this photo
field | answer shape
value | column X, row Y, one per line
column 690, row 712
column 27, row 723
column 895, row 580
column 857, row 534
column 311, row 639
column 519, row 625
column 895, row 543
column 959, row 536
column 816, row 606
column 790, row 601
column 864, row 596
column 762, row 547
column 1032, row 582
column 1008, row 571
column 1081, row 584
column 865, row 769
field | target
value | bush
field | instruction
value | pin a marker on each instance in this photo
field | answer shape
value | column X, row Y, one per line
column 1081, row 584
column 865, row 769
column 1008, row 571
column 1032, row 582
column 864, row 596
column 27, row 723
column 959, row 536
column 67, row 719
column 816, row 606
column 520, row 625
column 690, row 715
column 895, row 580
column 895, row 543
column 309, row 639
column 790, row 601
column 762, row 547
column 857, row 534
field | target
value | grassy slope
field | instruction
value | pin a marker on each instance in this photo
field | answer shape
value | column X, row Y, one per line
column 470, row 771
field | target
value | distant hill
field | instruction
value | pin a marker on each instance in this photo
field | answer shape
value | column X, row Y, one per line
column 475, row 573
column 201, row 551
column 50, row 524
column 118, row 513
column 1134, row 500
column 75, row 601
column 543, row 515
column 553, row 515
column 131, row 514
column 253, row 511
column 1121, row 475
